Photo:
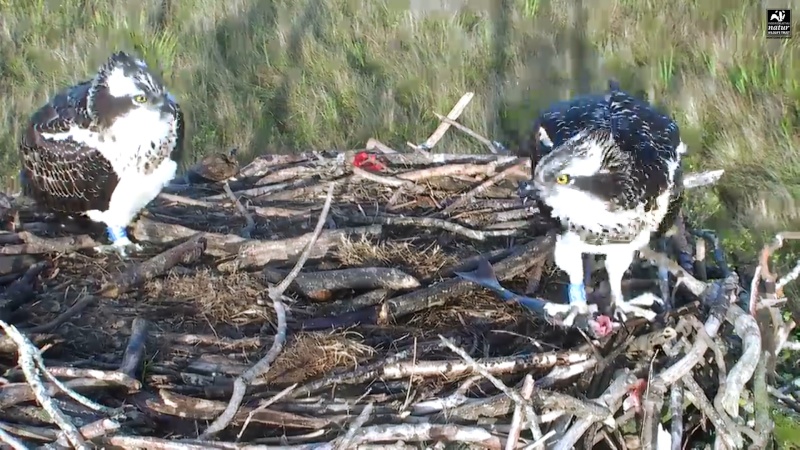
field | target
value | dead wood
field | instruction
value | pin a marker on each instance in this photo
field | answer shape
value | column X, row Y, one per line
column 320, row 286
column 251, row 224
column 468, row 196
column 521, row 260
column 254, row 254
column 430, row 222
column 82, row 302
column 16, row 393
column 134, row 352
column 342, row 349
column 32, row 244
column 172, row 404
column 339, row 307
column 16, row 264
column 265, row 363
column 185, row 253
column 21, row 290
column 148, row 230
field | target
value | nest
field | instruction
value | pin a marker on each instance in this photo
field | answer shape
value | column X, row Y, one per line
column 317, row 303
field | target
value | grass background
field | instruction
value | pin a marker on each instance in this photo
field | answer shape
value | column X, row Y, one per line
column 293, row 75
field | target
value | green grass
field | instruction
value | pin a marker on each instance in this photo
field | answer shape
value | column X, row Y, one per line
column 291, row 75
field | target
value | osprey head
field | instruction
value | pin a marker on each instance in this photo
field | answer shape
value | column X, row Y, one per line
column 586, row 168
column 125, row 84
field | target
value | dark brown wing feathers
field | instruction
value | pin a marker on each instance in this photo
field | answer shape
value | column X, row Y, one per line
column 64, row 176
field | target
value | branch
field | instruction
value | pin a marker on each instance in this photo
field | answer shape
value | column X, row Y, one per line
column 611, row 398
column 11, row 441
column 489, row 145
column 132, row 358
column 468, row 196
column 763, row 422
column 357, row 424
column 251, row 224
column 186, row 253
column 93, row 430
column 431, row 222
column 321, row 285
column 391, row 368
column 676, row 415
column 518, row 400
column 741, row 372
column 437, row 135
column 428, row 432
column 517, row 419
column 726, row 433
column 700, row 179
column 34, row 244
column 263, row 366
column 28, row 363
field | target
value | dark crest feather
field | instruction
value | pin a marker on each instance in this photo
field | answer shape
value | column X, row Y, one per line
column 635, row 168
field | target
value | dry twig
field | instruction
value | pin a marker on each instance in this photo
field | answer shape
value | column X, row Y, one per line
column 134, row 352
column 262, row 366
column 30, row 362
column 362, row 418
column 251, row 224
column 522, row 403
column 185, row 253
column 517, row 419
column 437, row 135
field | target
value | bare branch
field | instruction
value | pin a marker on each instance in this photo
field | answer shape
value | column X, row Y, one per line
column 251, row 224
column 27, row 361
column 262, row 366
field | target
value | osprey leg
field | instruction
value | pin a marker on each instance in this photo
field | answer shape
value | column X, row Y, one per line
column 569, row 257
column 120, row 243
column 617, row 263
column 117, row 234
column 663, row 273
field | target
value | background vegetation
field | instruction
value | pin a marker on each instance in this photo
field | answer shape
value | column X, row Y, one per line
column 292, row 75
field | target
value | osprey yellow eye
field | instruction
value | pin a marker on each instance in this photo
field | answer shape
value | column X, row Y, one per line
column 562, row 179
column 140, row 99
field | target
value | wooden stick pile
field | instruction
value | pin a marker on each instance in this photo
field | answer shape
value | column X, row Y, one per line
column 418, row 355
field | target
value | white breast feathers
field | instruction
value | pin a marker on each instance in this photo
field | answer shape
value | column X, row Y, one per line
column 131, row 139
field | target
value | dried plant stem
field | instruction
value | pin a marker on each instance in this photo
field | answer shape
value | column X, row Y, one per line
column 263, row 366
column 28, row 363
column 362, row 418
column 517, row 418
column 525, row 405
column 251, row 224
column 11, row 441
column 468, row 196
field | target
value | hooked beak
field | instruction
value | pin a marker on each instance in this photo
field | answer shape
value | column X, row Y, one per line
column 167, row 106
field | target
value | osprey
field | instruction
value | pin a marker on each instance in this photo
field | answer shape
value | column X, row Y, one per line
column 105, row 147
column 608, row 169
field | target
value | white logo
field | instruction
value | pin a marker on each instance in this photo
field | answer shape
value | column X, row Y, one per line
column 778, row 16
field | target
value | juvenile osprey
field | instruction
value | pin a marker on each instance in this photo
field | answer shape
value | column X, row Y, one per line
column 608, row 168
column 104, row 148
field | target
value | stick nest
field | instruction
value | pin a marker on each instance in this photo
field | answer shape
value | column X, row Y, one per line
column 201, row 340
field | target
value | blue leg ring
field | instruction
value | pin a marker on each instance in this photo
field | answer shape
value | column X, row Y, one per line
column 577, row 293
column 116, row 233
